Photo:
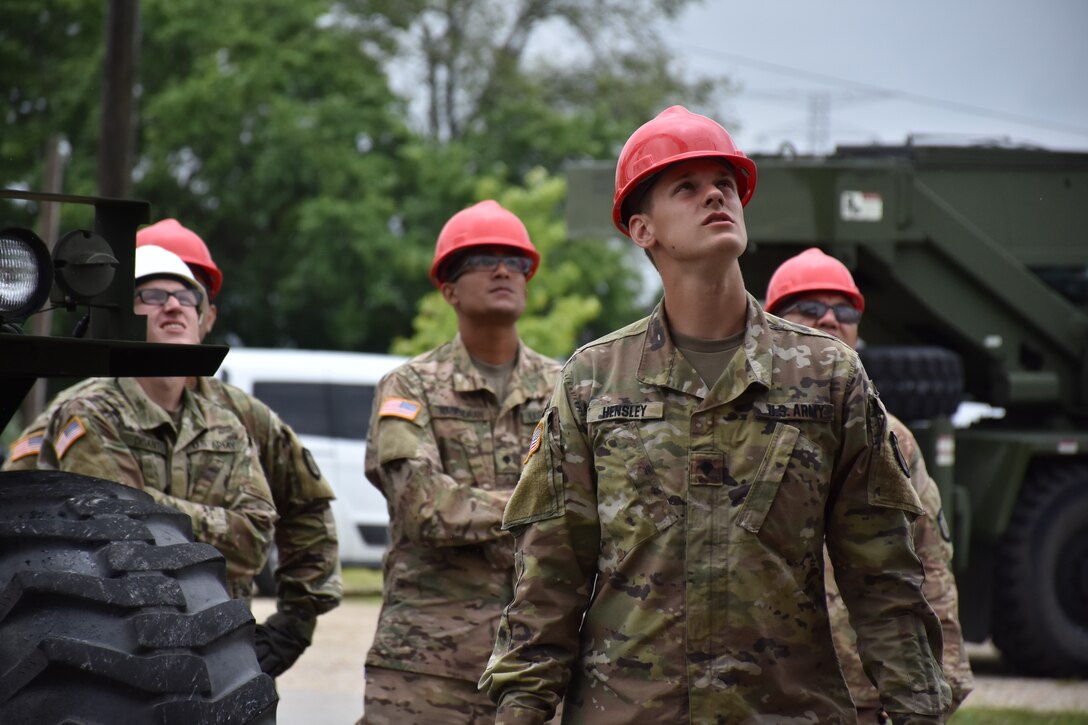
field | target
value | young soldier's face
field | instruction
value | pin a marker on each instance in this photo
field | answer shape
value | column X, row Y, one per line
column 824, row 316
column 171, row 321
column 694, row 210
column 493, row 291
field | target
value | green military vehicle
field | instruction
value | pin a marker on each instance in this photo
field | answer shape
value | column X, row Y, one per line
column 974, row 264
column 109, row 611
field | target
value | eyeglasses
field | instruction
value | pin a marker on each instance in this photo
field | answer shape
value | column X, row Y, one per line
column 158, row 297
column 489, row 263
column 814, row 310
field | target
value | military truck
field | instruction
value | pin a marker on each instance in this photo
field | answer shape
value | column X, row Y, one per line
column 109, row 611
column 974, row 264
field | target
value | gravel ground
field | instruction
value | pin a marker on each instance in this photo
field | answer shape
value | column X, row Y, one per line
column 325, row 687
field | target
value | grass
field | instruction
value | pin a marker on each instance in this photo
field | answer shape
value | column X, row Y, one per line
column 362, row 582
column 1007, row 716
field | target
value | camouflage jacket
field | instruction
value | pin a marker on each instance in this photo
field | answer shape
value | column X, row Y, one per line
column 308, row 577
column 205, row 466
column 670, row 539
column 446, row 454
column 933, row 545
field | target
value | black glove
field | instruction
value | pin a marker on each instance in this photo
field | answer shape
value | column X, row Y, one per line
column 281, row 639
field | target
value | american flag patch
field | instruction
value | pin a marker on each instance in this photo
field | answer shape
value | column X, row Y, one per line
column 72, row 432
column 534, row 442
column 28, row 445
column 399, row 408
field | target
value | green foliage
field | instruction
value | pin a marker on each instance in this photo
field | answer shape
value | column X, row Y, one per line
column 272, row 128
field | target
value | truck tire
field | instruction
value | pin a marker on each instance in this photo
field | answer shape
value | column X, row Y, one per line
column 915, row 383
column 1040, row 619
column 110, row 613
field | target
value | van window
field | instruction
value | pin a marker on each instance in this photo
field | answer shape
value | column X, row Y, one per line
column 330, row 410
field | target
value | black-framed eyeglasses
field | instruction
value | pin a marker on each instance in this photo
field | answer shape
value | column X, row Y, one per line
column 158, row 297
column 814, row 310
column 489, row 262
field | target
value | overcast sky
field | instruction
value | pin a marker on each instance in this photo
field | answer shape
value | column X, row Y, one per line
column 858, row 71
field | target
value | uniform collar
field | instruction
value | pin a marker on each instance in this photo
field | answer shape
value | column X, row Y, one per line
column 663, row 365
column 149, row 416
column 467, row 378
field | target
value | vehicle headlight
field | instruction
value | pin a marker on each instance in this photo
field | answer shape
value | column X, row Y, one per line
column 26, row 274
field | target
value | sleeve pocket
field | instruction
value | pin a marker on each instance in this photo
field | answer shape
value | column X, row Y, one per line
column 397, row 439
column 538, row 494
column 768, row 478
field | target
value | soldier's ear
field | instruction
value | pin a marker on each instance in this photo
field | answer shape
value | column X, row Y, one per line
column 449, row 293
column 207, row 320
column 641, row 229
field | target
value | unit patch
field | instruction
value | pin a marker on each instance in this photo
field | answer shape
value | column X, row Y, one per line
column 28, row 445
column 72, row 432
column 399, row 408
column 796, row 411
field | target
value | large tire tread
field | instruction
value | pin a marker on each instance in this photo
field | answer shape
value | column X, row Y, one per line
column 915, row 382
column 110, row 613
column 1040, row 621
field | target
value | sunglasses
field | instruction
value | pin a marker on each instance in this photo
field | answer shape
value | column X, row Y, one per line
column 814, row 310
column 489, row 263
column 158, row 297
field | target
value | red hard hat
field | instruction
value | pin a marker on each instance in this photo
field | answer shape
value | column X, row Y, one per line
column 676, row 134
column 172, row 236
column 811, row 271
column 482, row 224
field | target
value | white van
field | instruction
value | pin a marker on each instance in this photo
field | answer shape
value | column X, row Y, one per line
column 326, row 397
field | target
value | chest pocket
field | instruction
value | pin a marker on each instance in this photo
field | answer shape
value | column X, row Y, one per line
column 632, row 502
column 785, row 505
column 464, row 440
column 210, row 465
column 150, row 454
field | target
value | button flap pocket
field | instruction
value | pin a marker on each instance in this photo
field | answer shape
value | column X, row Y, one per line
column 768, row 478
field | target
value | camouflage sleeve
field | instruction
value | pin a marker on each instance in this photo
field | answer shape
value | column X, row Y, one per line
column 430, row 506
column 308, row 577
column 80, row 439
column 553, row 515
column 880, row 577
column 934, row 548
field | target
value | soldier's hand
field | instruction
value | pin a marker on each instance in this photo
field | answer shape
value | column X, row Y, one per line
column 281, row 639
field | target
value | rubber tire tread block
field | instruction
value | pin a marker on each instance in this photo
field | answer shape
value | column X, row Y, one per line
column 144, row 633
column 1030, row 627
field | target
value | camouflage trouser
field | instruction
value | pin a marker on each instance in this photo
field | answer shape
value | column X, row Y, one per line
column 395, row 697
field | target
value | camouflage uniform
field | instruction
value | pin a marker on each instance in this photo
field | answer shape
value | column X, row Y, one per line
column 934, row 548
column 112, row 430
column 670, row 539
column 446, row 455
column 308, row 579
column 309, row 576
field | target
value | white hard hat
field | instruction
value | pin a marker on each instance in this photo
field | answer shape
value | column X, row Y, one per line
column 152, row 261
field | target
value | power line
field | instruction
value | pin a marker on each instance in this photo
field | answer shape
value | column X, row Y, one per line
column 991, row 113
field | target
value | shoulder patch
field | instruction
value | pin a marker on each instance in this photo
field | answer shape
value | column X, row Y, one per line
column 311, row 463
column 28, row 445
column 399, row 408
column 534, row 442
column 72, row 432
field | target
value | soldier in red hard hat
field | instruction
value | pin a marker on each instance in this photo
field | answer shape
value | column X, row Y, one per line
column 815, row 289
column 450, row 430
column 672, row 514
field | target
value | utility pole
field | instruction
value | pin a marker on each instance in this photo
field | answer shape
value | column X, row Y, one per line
column 116, row 140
